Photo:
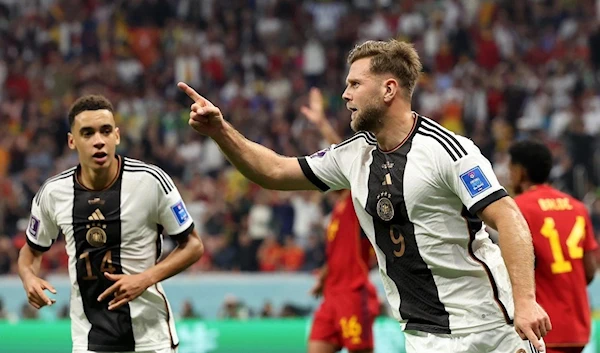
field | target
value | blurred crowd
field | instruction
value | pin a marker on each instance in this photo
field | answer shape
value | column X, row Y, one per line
column 495, row 71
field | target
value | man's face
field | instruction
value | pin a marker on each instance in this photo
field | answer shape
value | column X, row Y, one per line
column 364, row 96
column 95, row 138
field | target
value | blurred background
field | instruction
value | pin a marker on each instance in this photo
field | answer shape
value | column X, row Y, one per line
column 496, row 71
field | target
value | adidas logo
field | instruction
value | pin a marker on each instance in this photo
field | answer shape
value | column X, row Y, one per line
column 96, row 216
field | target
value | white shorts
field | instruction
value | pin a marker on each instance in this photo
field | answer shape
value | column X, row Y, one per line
column 500, row 340
column 164, row 350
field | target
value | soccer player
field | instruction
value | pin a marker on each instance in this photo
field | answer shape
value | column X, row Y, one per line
column 421, row 194
column 112, row 211
column 564, row 244
column 350, row 304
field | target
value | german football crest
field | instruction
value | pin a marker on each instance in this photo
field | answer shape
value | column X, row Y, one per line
column 96, row 235
column 385, row 207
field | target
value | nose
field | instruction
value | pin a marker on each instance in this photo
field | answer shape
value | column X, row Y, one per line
column 346, row 96
column 98, row 141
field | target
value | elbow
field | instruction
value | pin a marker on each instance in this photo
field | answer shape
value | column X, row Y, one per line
column 197, row 247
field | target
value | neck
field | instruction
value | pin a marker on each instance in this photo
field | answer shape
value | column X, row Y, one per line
column 99, row 179
column 397, row 125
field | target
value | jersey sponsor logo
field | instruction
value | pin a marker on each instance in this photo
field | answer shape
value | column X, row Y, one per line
column 34, row 226
column 475, row 181
column 320, row 153
column 96, row 234
column 180, row 212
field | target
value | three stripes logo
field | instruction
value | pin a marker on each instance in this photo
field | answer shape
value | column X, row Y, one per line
column 96, row 234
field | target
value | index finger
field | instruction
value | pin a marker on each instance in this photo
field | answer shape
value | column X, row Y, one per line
column 195, row 96
column 108, row 291
column 48, row 286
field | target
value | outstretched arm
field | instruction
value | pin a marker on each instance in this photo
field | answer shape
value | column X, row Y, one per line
column 257, row 163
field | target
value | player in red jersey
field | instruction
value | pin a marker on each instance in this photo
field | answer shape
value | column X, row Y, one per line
column 346, row 315
column 564, row 246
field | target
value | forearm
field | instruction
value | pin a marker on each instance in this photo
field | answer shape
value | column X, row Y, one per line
column 258, row 163
column 328, row 132
column 183, row 256
column 29, row 263
column 517, row 250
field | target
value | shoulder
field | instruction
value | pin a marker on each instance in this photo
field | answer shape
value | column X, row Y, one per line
column 442, row 142
column 358, row 141
column 148, row 172
column 55, row 182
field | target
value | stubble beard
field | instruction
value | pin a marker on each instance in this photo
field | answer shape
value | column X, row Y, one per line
column 369, row 118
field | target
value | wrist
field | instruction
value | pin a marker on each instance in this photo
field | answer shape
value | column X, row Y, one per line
column 148, row 279
column 524, row 299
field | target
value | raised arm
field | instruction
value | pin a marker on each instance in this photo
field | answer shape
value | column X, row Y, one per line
column 257, row 163
column 315, row 113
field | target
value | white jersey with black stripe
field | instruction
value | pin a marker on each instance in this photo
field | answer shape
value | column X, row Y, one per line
column 418, row 205
column 114, row 230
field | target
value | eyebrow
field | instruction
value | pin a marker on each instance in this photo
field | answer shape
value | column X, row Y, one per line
column 89, row 128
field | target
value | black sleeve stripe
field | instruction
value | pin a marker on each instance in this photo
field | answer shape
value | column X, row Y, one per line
column 162, row 173
column 357, row 136
column 164, row 186
column 64, row 175
column 435, row 126
column 434, row 132
column 183, row 234
column 308, row 173
column 485, row 202
column 34, row 246
column 421, row 132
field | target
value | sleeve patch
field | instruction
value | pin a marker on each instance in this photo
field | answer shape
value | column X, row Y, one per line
column 34, row 226
column 180, row 212
column 475, row 181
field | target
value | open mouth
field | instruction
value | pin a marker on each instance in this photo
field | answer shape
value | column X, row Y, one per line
column 100, row 157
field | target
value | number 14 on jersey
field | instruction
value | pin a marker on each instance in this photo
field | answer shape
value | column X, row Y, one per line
column 560, row 264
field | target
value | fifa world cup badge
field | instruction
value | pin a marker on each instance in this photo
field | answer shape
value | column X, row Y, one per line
column 385, row 207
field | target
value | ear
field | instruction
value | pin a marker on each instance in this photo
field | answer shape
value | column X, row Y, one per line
column 71, row 141
column 117, row 136
column 392, row 88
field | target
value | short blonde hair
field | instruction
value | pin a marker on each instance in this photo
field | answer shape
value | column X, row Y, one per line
column 392, row 57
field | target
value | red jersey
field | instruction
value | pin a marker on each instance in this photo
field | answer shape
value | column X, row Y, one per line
column 562, row 231
column 347, row 251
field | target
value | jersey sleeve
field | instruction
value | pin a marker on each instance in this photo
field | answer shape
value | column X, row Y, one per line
column 42, row 230
column 328, row 169
column 172, row 213
column 470, row 176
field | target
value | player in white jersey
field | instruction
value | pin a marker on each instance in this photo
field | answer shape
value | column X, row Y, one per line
column 421, row 193
column 112, row 211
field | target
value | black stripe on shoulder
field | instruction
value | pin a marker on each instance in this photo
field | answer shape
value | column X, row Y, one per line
column 370, row 136
column 432, row 125
column 310, row 175
column 135, row 163
column 357, row 136
column 435, row 137
column 165, row 176
column 443, row 137
column 153, row 173
column 64, row 175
